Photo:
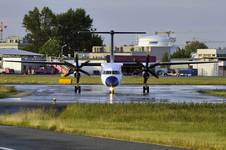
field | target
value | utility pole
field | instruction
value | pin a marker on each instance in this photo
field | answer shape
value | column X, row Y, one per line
column 2, row 29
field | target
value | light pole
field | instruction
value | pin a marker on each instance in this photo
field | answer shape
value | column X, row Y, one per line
column 62, row 50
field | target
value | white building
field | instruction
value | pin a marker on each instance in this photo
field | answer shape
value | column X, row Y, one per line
column 211, row 69
column 11, row 42
column 155, row 45
column 18, row 55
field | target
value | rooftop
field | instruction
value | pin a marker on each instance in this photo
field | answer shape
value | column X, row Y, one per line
column 6, row 51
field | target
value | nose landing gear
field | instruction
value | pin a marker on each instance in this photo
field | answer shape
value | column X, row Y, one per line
column 111, row 90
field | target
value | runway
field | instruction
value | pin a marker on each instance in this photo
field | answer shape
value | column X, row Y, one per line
column 124, row 94
column 15, row 138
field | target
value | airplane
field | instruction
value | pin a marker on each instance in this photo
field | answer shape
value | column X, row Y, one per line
column 111, row 72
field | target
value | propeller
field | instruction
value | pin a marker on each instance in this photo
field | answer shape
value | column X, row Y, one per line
column 146, row 69
column 76, row 69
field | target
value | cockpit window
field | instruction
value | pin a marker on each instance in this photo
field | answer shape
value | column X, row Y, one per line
column 115, row 72
column 111, row 72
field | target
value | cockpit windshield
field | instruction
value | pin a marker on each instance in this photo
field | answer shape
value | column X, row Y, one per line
column 111, row 72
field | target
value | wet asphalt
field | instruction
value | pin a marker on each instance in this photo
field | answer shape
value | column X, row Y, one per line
column 17, row 138
column 123, row 94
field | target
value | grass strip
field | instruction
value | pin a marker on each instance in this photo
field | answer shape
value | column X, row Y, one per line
column 216, row 92
column 195, row 126
column 6, row 91
column 53, row 79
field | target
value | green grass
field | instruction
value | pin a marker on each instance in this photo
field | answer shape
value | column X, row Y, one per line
column 6, row 91
column 196, row 126
column 53, row 79
column 216, row 92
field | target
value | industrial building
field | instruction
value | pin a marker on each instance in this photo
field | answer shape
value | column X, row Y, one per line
column 11, row 42
column 155, row 45
column 212, row 69
column 18, row 55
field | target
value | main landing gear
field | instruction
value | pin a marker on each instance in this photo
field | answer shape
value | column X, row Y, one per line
column 78, row 89
column 145, row 89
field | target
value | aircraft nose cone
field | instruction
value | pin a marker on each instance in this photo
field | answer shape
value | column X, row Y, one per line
column 112, row 81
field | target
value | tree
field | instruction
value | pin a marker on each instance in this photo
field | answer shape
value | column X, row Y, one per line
column 193, row 46
column 188, row 49
column 180, row 53
column 165, row 57
column 51, row 48
column 69, row 23
column 40, row 27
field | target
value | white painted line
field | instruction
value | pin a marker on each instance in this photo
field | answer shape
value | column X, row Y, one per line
column 5, row 148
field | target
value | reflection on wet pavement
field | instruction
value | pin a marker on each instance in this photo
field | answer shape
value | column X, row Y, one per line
column 124, row 94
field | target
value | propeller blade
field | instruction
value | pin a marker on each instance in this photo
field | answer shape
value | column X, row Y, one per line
column 86, row 73
column 139, row 63
column 70, row 71
column 76, row 60
column 138, row 71
column 147, row 61
column 84, row 64
column 153, row 73
column 152, row 66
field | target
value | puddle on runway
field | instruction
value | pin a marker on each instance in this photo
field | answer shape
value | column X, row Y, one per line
column 124, row 94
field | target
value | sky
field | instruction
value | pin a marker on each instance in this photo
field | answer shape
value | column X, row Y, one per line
column 203, row 20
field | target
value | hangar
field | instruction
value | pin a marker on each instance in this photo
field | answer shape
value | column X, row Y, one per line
column 18, row 55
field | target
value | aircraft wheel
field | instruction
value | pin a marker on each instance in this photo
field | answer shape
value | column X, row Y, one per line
column 76, row 89
column 147, row 89
column 144, row 89
column 79, row 89
column 112, row 91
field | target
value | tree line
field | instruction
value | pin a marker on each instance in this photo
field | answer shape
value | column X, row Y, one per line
column 48, row 33
column 189, row 48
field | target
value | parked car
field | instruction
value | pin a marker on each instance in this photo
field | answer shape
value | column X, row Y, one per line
column 8, row 71
column 46, row 70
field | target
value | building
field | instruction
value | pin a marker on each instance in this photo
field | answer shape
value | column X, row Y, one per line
column 155, row 45
column 18, row 55
column 11, row 42
column 211, row 69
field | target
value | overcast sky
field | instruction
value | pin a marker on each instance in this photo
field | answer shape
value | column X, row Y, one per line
column 200, row 19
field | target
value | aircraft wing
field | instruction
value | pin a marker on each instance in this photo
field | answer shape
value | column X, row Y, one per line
column 54, row 63
column 92, row 64
column 181, row 63
column 37, row 62
column 152, row 65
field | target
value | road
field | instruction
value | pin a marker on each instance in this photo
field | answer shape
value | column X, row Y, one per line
column 16, row 138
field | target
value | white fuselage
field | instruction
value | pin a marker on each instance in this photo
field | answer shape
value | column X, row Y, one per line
column 111, row 74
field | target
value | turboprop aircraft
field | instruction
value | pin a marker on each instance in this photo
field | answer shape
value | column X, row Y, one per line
column 111, row 72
